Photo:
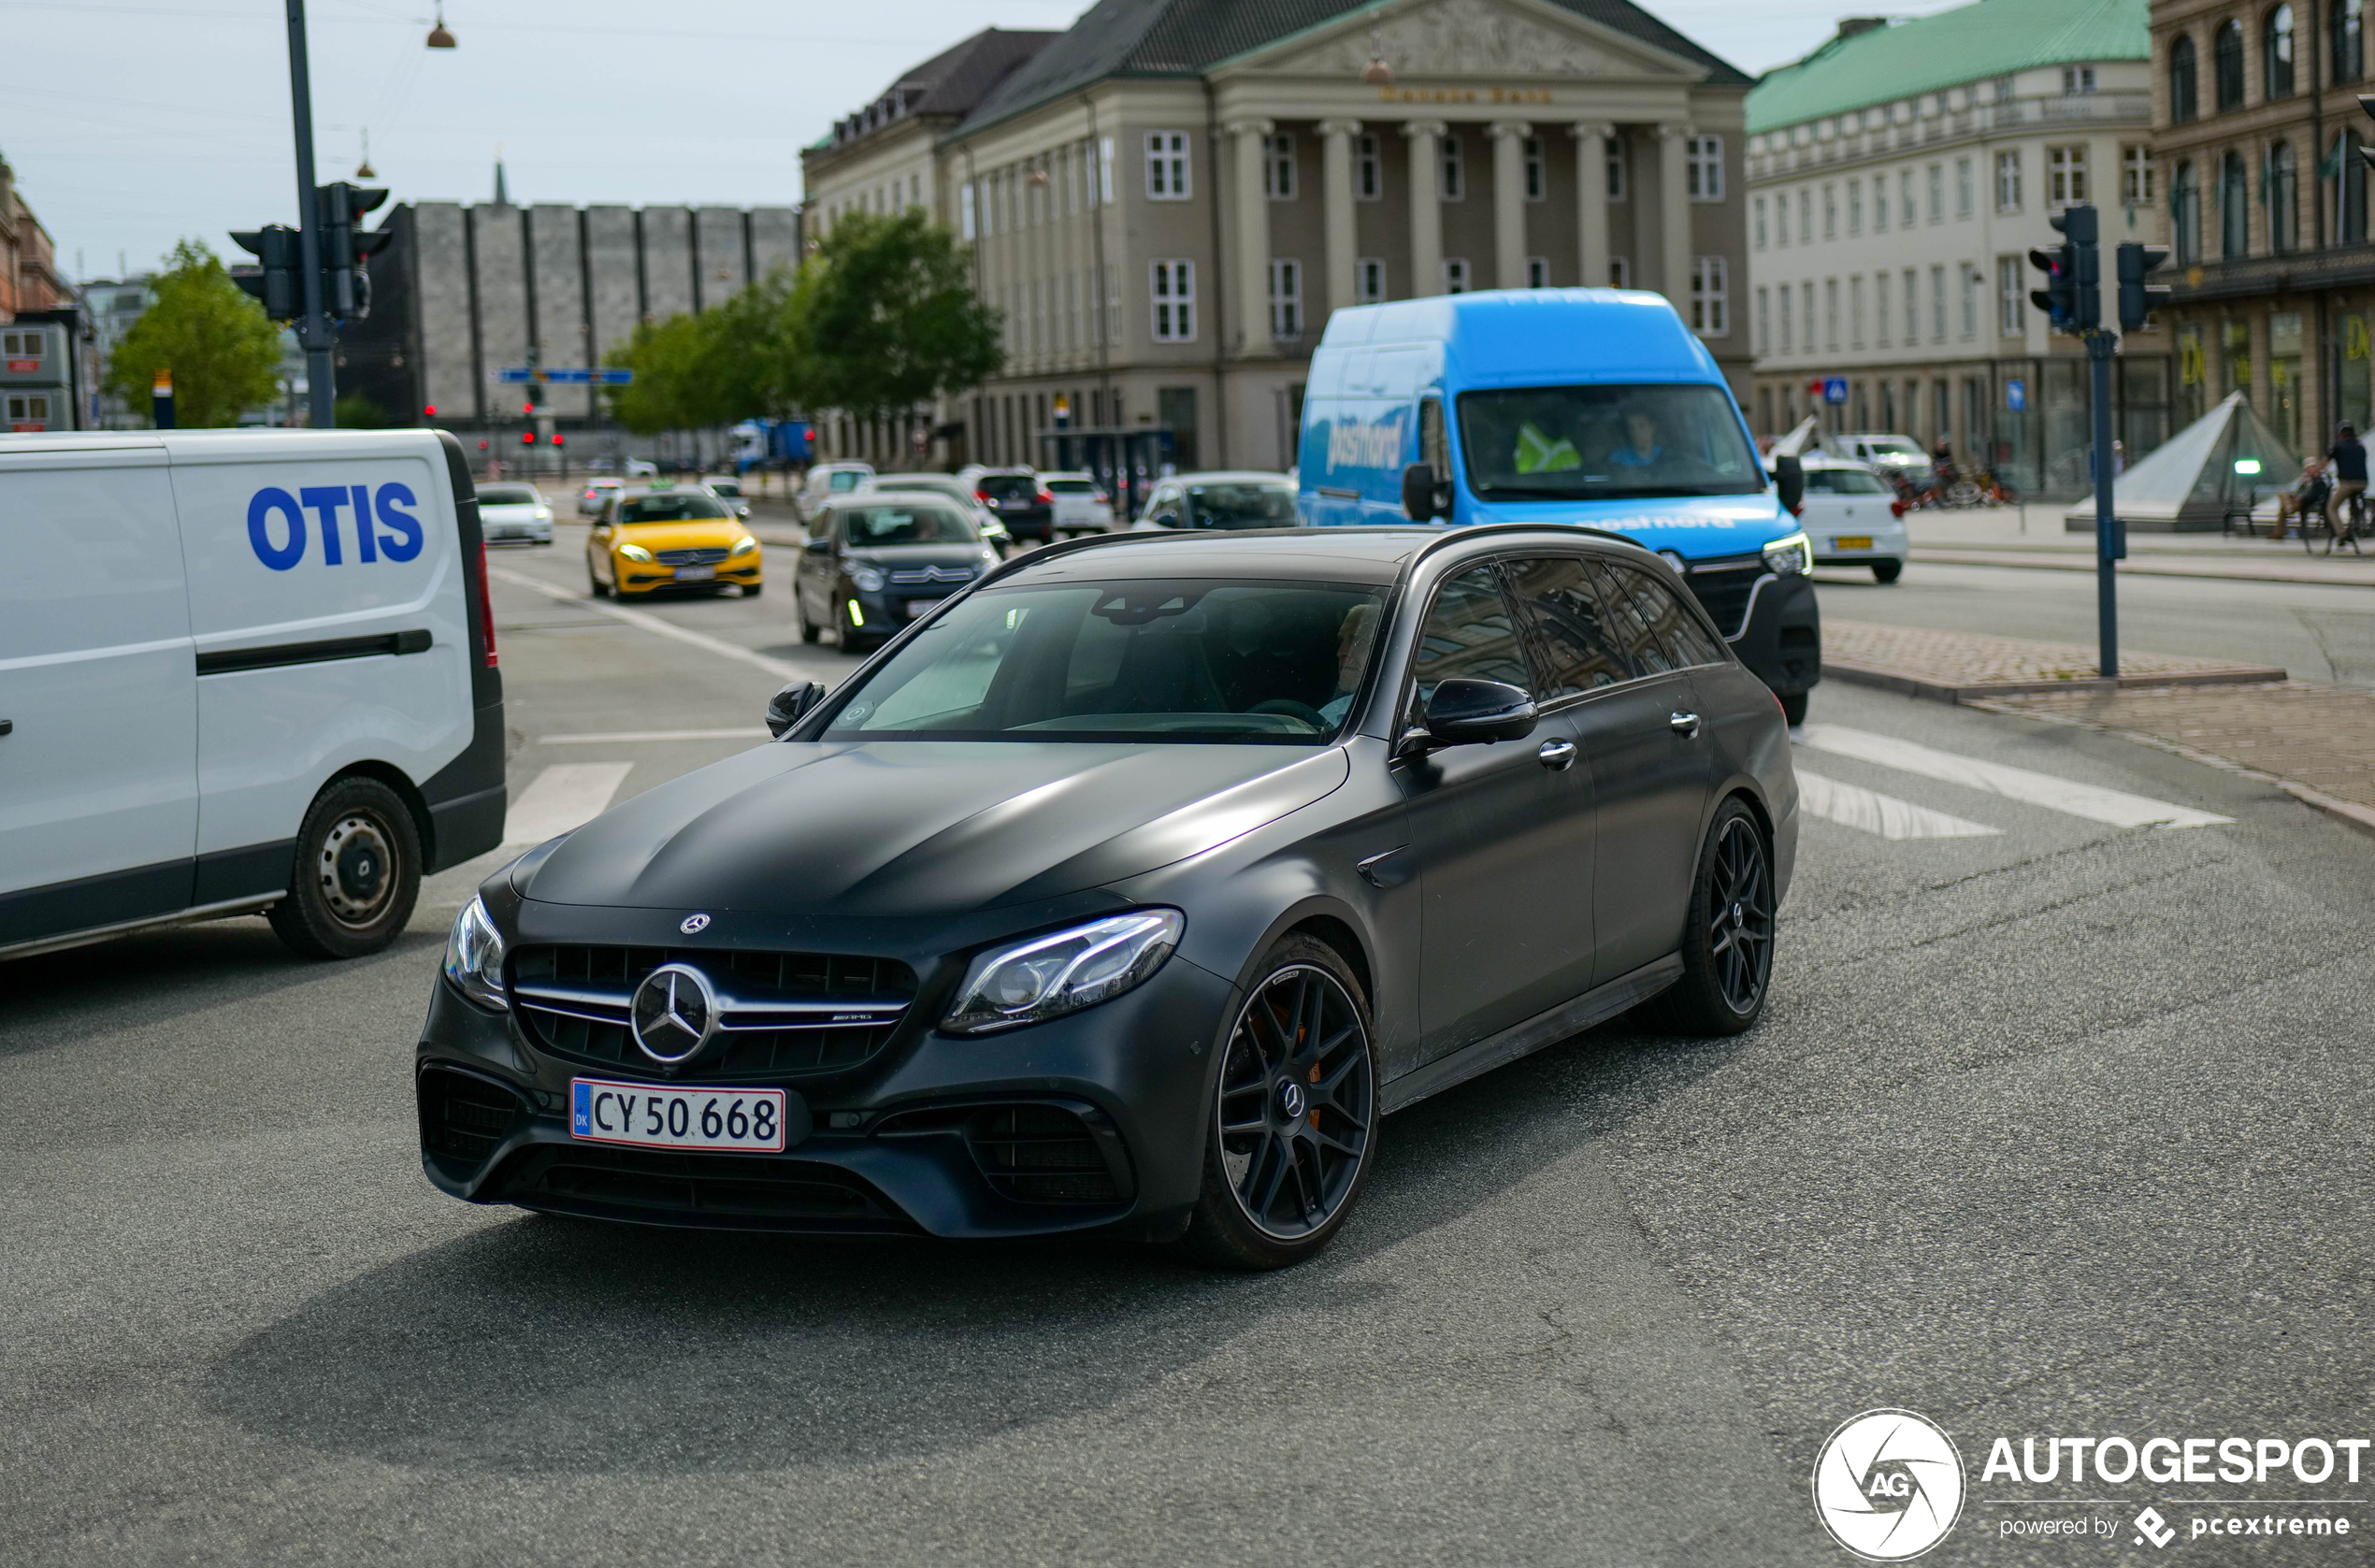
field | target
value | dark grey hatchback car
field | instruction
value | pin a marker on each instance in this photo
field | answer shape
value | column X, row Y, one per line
column 1129, row 891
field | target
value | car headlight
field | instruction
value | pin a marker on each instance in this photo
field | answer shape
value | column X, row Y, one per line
column 866, row 579
column 1045, row 977
column 743, row 546
column 634, row 552
column 1791, row 556
column 474, row 957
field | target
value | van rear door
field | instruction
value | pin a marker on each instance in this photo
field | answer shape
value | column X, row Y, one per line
column 98, row 786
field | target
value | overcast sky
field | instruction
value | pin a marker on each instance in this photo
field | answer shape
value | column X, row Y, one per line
column 146, row 120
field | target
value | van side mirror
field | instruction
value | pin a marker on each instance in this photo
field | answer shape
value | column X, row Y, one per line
column 787, row 707
column 1465, row 713
column 1789, row 483
column 1419, row 492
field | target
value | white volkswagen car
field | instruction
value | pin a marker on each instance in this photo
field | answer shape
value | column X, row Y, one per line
column 515, row 514
column 1082, row 506
column 1853, row 517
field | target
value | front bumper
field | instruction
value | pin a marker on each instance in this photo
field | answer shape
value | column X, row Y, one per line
column 1093, row 1122
column 645, row 577
column 1887, row 544
column 1780, row 638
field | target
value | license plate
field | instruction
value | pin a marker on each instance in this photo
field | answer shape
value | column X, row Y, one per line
column 921, row 607
column 694, row 574
column 1852, row 542
column 653, row 1117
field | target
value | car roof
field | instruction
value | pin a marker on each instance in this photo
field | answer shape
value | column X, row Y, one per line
column 1230, row 476
column 1378, row 553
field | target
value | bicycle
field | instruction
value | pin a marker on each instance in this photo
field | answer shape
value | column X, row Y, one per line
column 2352, row 527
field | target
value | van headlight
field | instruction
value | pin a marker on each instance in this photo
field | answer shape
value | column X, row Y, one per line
column 866, row 579
column 634, row 552
column 474, row 957
column 1045, row 977
column 743, row 546
column 1790, row 556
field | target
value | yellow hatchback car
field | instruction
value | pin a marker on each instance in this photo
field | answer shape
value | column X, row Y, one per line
column 669, row 537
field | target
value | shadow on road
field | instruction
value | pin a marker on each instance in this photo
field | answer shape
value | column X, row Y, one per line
column 549, row 1345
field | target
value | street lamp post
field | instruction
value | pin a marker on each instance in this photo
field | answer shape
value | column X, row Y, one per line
column 313, row 330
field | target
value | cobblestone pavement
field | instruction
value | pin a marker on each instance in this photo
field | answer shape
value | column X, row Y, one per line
column 1973, row 659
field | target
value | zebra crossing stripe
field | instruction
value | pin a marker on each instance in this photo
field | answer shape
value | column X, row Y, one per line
column 2091, row 802
column 1869, row 811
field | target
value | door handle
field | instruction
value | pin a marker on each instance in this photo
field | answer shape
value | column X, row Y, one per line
column 1684, row 725
column 7, row 725
column 1557, row 756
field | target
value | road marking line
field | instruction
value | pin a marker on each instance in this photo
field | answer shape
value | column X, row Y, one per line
column 638, row 618
column 2116, row 807
column 1870, row 812
column 565, row 796
column 752, row 733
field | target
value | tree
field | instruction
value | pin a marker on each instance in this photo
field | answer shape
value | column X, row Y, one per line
column 223, row 351
column 666, row 358
column 731, row 362
column 884, row 318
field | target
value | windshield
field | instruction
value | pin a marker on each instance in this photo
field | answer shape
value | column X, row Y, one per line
column 895, row 523
column 1176, row 661
column 1240, row 506
column 507, row 496
column 1845, row 482
column 1602, row 443
column 1008, row 487
column 925, row 485
column 725, row 488
column 845, row 478
column 675, row 505
column 1071, row 488
column 1889, row 448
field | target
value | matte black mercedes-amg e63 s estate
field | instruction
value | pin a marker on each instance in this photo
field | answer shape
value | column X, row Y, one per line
column 1129, row 891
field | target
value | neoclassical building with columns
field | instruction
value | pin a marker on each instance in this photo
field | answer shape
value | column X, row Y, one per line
column 1167, row 200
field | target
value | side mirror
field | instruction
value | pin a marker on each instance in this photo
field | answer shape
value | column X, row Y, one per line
column 788, row 706
column 1789, row 481
column 818, row 544
column 1467, row 713
column 1419, row 492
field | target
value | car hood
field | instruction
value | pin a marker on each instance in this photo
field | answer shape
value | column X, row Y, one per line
column 702, row 533
column 924, row 827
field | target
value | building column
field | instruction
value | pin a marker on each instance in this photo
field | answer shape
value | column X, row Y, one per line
column 1340, row 287
column 1592, row 201
column 1674, row 216
column 1250, row 287
column 1426, row 206
column 1509, row 201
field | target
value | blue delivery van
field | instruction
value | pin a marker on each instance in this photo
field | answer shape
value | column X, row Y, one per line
column 1595, row 406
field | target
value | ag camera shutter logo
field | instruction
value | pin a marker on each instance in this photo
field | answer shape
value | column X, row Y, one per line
column 1888, row 1485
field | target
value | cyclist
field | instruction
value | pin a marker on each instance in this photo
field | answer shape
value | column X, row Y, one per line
column 2350, row 475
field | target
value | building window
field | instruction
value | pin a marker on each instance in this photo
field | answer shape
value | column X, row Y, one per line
column 1937, row 192
column 965, row 211
column 1537, row 272
column 2233, row 208
column 1452, row 183
column 1881, row 306
column 1705, row 169
column 2008, row 182
column 1537, row 172
column 1368, row 170
column 1174, row 301
column 1278, row 166
column 2349, row 192
column 2226, row 62
column 1912, row 306
column 1759, row 206
column 1764, row 321
column 1711, row 298
column 2276, row 49
column 1964, row 200
column 2136, row 174
column 1806, row 217
column 2183, row 102
column 1786, row 336
column 1805, row 310
column 1937, row 304
column 2283, row 201
column 1904, row 198
column 2349, row 48
column 1855, row 206
column 2064, row 175
column 1369, row 279
column 2185, row 216
column 2011, row 292
column 1616, row 168
column 1880, row 204
column 1855, row 311
column 1970, row 299
column 1285, row 298
column 1830, row 212
column 1620, row 272
column 1167, row 170
column 2077, row 80
column 1831, row 314
column 1105, row 171
column 1455, row 275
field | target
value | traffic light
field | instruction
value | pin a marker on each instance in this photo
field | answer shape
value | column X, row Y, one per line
column 346, row 246
column 527, row 438
column 2139, row 298
column 277, row 287
column 2073, row 292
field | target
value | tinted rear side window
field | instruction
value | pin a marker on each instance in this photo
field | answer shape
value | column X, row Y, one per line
column 1656, row 629
column 1470, row 634
column 1008, row 487
column 1845, row 482
column 1565, row 607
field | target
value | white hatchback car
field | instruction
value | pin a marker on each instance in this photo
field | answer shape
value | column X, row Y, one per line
column 515, row 514
column 1082, row 506
column 1853, row 517
column 598, row 491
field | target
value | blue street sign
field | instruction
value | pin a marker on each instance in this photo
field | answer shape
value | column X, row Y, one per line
column 1834, row 389
column 566, row 377
column 2016, row 394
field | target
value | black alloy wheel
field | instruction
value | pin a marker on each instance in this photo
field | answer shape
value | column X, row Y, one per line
column 1294, row 1115
column 356, row 876
column 1727, row 942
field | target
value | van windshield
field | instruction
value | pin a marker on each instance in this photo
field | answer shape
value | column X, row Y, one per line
column 1606, row 442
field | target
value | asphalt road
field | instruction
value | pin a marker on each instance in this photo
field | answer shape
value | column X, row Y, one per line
column 2057, row 1129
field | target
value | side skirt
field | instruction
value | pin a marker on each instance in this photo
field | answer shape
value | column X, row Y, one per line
column 1595, row 1006
column 252, row 905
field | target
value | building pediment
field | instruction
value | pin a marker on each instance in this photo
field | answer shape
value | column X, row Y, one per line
column 1498, row 40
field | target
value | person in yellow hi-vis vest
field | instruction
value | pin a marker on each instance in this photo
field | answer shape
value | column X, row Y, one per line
column 1538, row 453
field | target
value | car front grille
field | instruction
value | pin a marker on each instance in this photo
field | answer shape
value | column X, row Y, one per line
column 779, row 1014
column 722, row 1189
column 464, row 1117
column 702, row 557
column 1724, row 587
column 917, row 576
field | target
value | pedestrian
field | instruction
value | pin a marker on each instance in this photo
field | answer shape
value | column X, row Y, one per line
column 2300, row 497
column 2349, row 459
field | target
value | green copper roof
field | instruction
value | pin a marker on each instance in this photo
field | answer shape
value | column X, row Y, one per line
column 1971, row 43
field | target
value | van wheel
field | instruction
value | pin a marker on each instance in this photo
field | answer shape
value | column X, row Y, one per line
column 356, row 875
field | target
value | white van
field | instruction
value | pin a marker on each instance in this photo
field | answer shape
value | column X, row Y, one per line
column 241, row 670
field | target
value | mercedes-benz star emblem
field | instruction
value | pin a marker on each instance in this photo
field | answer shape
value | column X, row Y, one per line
column 693, row 923
column 1290, row 1099
column 674, row 1013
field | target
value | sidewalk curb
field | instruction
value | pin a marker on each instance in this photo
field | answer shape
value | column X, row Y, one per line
column 2351, row 812
column 1950, row 555
column 1907, row 683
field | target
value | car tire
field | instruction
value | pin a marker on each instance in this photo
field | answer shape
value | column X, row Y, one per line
column 1793, row 708
column 1280, row 1173
column 1727, row 939
column 809, row 630
column 356, row 875
column 595, row 585
column 750, row 590
column 1888, row 571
